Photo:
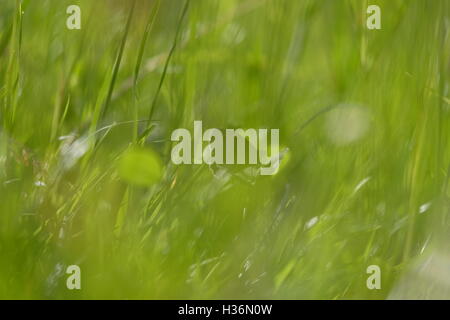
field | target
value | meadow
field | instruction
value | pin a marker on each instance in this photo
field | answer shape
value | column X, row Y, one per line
column 86, row 176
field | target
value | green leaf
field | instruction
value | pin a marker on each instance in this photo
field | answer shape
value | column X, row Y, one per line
column 141, row 167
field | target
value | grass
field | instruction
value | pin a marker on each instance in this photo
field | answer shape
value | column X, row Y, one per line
column 363, row 118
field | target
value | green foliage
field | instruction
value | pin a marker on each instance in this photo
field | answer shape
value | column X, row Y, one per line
column 141, row 167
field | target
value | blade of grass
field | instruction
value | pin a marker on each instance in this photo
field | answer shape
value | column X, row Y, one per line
column 117, row 63
column 166, row 65
column 138, row 65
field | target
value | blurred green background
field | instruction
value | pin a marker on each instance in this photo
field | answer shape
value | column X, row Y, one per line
column 85, row 170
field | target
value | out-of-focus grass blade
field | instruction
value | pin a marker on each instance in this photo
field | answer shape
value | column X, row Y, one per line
column 117, row 62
